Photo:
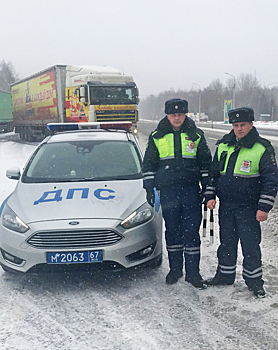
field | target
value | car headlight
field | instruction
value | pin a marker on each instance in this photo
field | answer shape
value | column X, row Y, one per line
column 138, row 217
column 12, row 221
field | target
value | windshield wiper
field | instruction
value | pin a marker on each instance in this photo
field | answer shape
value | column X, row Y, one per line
column 102, row 178
column 111, row 178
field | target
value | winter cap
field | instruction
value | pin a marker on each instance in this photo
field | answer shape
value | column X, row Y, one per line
column 243, row 114
column 176, row 105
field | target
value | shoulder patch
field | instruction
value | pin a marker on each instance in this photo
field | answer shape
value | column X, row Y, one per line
column 272, row 157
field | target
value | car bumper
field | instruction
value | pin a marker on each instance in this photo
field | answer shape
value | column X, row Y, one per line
column 146, row 238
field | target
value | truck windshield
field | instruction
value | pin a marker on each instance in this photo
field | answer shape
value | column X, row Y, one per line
column 84, row 161
column 107, row 95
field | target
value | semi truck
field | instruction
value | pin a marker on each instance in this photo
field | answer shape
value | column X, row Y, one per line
column 6, row 119
column 68, row 93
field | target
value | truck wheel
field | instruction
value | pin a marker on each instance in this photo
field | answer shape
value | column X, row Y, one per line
column 30, row 137
column 23, row 133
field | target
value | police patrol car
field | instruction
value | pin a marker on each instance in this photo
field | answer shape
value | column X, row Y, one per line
column 80, row 202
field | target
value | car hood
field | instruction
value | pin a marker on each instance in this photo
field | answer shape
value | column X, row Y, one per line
column 94, row 200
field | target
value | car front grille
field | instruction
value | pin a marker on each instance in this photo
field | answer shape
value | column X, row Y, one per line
column 74, row 239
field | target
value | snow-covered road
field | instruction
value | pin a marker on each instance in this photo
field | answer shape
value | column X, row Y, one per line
column 135, row 310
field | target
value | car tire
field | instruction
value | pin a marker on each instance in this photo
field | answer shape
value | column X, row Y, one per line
column 155, row 262
column 6, row 269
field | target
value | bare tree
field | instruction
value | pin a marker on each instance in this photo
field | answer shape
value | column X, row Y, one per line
column 247, row 82
column 8, row 75
column 216, row 85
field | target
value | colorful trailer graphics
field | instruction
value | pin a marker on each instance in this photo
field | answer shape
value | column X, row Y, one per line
column 35, row 100
column 76, row 111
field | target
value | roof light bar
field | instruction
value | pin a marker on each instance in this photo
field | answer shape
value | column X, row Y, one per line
column 59, row 127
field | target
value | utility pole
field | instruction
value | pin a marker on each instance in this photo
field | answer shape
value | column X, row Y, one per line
column 200, row 91
column 234, row 90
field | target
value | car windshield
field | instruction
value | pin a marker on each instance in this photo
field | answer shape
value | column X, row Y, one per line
column 84, row 161
column 112, row 94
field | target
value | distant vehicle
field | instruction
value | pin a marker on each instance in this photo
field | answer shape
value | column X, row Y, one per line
column 80, row 203
column 6, row 119
column 203, row 118
column 65, row 93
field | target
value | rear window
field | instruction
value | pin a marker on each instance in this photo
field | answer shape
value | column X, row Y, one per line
column 84, row 161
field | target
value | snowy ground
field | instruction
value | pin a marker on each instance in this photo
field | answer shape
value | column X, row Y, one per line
column 135, row 310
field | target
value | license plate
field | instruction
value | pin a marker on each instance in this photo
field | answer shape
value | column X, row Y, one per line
column 74, row 257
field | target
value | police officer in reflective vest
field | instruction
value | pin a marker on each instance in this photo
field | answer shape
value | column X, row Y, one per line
column 245, row 178
column 177, row 158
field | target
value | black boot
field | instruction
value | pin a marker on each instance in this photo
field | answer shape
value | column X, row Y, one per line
column 196, row 281
column 217, row 280
column 173, row 276
column 257, row 290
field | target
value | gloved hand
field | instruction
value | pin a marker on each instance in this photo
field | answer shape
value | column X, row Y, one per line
column 150, row 198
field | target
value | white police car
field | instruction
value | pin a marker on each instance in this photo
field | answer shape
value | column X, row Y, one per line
column 80, row 203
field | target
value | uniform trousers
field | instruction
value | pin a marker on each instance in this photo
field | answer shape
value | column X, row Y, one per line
column 182, row 213
column 238, row 223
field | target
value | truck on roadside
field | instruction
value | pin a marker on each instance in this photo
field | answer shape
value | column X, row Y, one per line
column 67, row 93
column 6, row 119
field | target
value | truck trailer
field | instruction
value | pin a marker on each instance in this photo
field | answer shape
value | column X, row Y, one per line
column 67, row 93
column 6, row 119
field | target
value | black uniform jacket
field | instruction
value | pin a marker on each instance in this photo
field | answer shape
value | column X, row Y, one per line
column 178, row 172
column 259, row 191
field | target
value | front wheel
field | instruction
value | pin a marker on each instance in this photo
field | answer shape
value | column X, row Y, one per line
column 155, row 262
column 6, row 269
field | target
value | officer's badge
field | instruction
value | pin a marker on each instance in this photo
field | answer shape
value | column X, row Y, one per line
column 176, row 106
column 245, row 166
column 237, row 115
column 191, row 147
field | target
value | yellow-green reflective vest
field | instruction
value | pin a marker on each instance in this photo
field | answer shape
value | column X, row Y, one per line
column 248, row 159
column 166, row 148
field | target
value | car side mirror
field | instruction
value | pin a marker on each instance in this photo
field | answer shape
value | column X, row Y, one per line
column 13, row 173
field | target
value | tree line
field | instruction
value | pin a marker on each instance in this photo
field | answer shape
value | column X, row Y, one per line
column 246, row 88
column 8, row 75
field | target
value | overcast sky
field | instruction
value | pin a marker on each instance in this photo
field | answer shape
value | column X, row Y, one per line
column 163, row 44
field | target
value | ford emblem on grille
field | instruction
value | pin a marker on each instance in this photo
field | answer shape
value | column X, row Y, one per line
column 74, row 223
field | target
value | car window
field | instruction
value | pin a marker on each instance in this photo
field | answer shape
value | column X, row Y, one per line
column 84, row 160
column 112, row 94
